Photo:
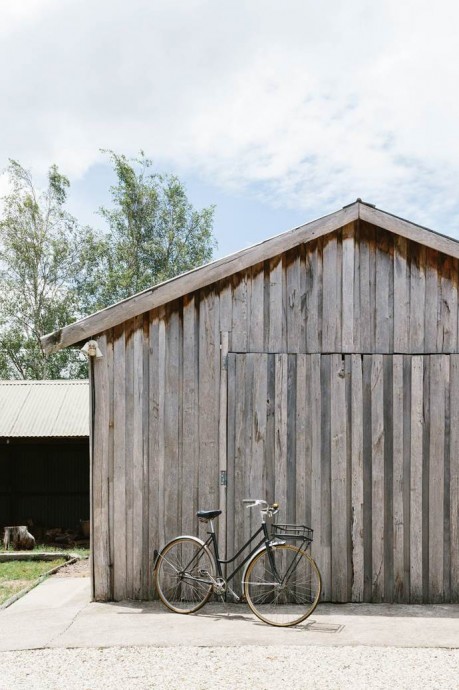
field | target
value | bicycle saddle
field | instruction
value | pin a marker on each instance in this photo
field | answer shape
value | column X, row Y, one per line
column 208, row 514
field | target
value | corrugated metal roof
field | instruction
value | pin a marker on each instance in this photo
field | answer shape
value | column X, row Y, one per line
column 44, row 408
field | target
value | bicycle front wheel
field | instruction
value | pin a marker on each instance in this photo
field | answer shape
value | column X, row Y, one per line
column 283, row 589
column 184, row 573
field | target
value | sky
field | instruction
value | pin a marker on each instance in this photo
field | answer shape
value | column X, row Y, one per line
column 277, row 112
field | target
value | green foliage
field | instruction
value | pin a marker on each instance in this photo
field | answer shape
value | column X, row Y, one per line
column 41, row 266
column 53, row 271
column 153, row 233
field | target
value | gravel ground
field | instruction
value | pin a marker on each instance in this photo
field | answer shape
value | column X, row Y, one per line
column 78, row 569
column 261, row 668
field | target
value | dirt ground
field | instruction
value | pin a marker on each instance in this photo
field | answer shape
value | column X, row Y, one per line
column 78, row 569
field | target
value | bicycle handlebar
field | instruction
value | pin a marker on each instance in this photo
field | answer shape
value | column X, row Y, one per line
column 253, row 502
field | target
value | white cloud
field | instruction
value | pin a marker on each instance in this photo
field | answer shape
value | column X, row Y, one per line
column 308, row 104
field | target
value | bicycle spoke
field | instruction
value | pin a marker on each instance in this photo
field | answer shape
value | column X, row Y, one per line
column 294, row 597
column 179, row 578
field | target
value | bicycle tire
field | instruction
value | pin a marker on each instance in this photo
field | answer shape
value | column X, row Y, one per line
column 282, row 604
column 181, row 566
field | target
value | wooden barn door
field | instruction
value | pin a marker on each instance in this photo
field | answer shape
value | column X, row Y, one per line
column 365, row 450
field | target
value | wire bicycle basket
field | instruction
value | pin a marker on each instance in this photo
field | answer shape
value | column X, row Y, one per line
column 293, row 532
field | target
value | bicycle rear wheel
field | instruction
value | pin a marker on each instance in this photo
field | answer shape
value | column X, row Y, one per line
column 287, row 593
column 183, row 575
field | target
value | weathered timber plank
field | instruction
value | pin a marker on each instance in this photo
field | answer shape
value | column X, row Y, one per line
column 401, row 295
column 172, row 486
column 100, row 526
column 293, row 303
column 356, row 309
column 129, row 445
column 315, row 405
column 454, row 478
column 280, row 448
column 384, row 296
column 398, row 513
column 223, row 442
column 303, row 441
column 256, row 459
column 439, row 375
column 291, row 438
column 137, row 459
column 226, row 305
column 161, row 425
column 367, row 362
column 417, row 298
column 281, row 439
column 339, row 505
column 357, row 527
column 256, row 313
column 147, row 559
column 119, row 467
column 347, row 290
column 209, row 385
column 313, row 296
column 447, row 327
column 431, row 325
column 277, row 315
column 111, row 468
column 241, row 450
column 303, row 291
column 190, row 433
column 371, row 235
column 365, row 303
column 407, row 472
column 416, row 455
column 331, row 305
column 377, row 474
column 388, row 408
column 325, row 508
column 240, row 327
column 196, row 279
column 232, row 449
column 249, row 516
column 154, row 432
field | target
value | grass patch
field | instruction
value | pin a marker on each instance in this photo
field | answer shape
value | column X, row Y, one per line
column 16, row 575
column 81, row 552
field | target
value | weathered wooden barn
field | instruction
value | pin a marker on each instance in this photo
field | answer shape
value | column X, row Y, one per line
column 319, row 369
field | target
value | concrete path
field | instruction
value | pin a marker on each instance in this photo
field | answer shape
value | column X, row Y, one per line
column 58, row 613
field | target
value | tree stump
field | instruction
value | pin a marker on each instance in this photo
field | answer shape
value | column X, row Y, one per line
column 19, row 537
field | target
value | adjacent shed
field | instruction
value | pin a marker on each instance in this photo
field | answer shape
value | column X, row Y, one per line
column 319, row 369
column 44, row 453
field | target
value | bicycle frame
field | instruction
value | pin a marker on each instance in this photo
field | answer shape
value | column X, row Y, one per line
column 212, row 540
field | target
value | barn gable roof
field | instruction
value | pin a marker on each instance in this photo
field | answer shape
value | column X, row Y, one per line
column 222, row 268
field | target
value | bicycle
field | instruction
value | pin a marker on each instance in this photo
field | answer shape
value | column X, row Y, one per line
column 281, row 583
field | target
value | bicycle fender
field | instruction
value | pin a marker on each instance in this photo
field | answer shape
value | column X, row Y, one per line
column 157, row 554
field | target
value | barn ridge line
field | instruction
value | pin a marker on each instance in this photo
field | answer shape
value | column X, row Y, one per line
column 200, row 277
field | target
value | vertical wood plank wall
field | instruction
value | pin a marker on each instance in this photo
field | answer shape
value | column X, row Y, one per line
column 360, row 559
column 157, row 441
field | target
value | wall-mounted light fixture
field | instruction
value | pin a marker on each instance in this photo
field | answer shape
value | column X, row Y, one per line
column 91, row 349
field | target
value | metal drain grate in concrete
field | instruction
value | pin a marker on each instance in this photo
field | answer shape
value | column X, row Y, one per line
column 314, row 626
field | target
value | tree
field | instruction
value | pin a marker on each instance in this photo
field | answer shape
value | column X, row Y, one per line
column 153, row 233
column 44, row 257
